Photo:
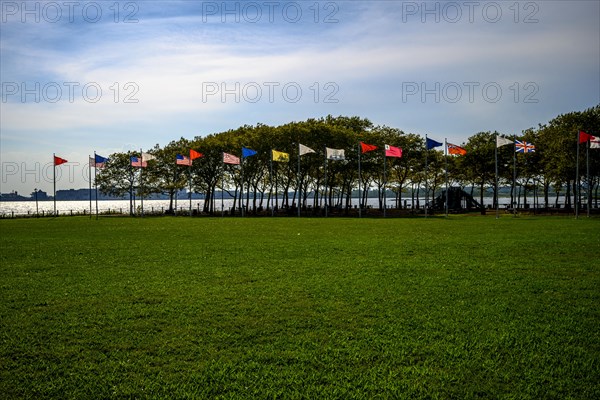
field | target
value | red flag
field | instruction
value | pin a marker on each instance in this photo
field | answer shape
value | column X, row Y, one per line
column 365, row 148
column 584, row 137
column 454, row 149
column 194, row 154
column 391, row 151
column 58, row 160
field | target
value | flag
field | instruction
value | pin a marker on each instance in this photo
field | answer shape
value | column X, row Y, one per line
column 230, row 159
column 432, row 143
column 183, row 160
column 247, row 152
column 594, row 140
column 584, row 137
column 305, row 150
column 500, row 141
column 391, row 151
column 365, row 148
column 98, row 161
column 136, row 162
column 280, row 156
column 457, row 150
column 524, row 147
column 147, row 157
column 58, row 161
column 194, row 154
column 335, row 154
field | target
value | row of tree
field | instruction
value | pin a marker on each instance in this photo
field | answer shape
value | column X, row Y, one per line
column 551, row 169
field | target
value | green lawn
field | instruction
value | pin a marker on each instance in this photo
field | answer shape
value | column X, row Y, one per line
column 458, row 307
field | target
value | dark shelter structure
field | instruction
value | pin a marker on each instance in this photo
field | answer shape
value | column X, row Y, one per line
column 458, row 200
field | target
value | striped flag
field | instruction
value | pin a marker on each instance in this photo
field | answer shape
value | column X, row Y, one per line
column 136, row 162
column 183, row 160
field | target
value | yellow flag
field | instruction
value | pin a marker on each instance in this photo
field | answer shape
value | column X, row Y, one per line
column 280, row 156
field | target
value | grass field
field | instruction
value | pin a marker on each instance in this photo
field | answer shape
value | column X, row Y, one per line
column 459, row 307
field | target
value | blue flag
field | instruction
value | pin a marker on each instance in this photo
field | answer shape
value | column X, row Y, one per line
column 247, row 152
column 432, row 143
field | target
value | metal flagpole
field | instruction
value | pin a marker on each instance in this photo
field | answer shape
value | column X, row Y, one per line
column 514, row 190
column 299, row 183
column 54, row 180
column 242, row 182
column 271, row 178
column 577, row 179
column 222, row 188
column 589, row 179
column 496, row 181
column 142, row 183
column 325, row 191
column 426, row 180
column 190, row 194
column 96, row 183
column 446, row 157
column 90, row 179
column 359, row 179
column 384, row 185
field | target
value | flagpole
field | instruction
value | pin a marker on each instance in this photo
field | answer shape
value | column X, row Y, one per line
column 326, row 199
column 359, row 179
column 142, row 182
column 54, row 181
column 589, row 179
column 271, row 179
column 96, row 183
column 496, row 180
column 222, row 187
column 299, row 183
column 90, row 180
column 384, row 184
column 577, row 179
column 242, row 182
column 514, row 175
column 426, row 180
column 190, row 178
column 446, row 159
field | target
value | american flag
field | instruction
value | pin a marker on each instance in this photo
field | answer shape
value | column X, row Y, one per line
column 136, row 162
column 183, row 160
column 524, row 147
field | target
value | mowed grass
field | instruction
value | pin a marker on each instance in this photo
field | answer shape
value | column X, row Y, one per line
column 459, row 307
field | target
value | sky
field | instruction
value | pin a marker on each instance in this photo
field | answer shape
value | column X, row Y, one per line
column 93, row 76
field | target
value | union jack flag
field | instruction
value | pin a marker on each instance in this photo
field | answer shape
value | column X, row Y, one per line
column 524, row 147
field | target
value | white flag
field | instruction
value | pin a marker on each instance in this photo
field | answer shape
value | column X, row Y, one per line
column 335, row 154
column 595, row 142
column 147, row 157
column 500, row 141
column 305, row 150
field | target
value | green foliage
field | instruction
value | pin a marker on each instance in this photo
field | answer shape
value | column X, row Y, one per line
column 299, row 308
column 553, row 164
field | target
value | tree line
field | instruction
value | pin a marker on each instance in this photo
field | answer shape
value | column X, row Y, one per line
column 551, row 169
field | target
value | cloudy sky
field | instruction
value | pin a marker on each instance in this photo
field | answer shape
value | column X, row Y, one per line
column 79, row 77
